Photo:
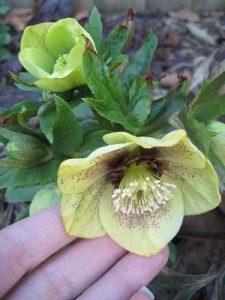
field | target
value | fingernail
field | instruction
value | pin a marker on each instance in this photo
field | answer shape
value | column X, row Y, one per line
column 145, row 290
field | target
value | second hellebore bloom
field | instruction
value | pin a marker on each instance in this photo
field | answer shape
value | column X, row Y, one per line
column 137, row 190
column 53, row 54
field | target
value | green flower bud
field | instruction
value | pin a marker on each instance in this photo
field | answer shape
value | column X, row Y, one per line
column 53, row 54
column 44, row 199
column 30, row 151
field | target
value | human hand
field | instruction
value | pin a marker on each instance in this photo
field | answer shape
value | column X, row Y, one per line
column 95, row 269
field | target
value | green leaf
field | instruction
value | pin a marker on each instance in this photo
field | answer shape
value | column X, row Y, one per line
column 164, row 108
column 139, row 103
column 211, row 108
column 13, row 136
column 103, row 84
column 47, row 116
column 67, row 133
column 111, row 111
column 116, row 41
column 198, row 133
column 24, row 213
column 21, row 194
column 173, row 255
column 140, row 63
column 93, row 141
column 10, row 115
column 25, row 82
column 218, row 165
column 207, row 105
column 94, row 27
column 117, row 61
column 40, row 174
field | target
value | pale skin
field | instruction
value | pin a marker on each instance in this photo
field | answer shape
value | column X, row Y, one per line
column 95, row 269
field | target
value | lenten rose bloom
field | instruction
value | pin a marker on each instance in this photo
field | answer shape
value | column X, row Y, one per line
column 53, row 54
column 137, row 190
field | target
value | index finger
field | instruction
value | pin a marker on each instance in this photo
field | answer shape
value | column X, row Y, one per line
column 27, row 243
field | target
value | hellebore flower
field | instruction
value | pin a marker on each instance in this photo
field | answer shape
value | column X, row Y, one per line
column 217, row 130
column 137, row 190
column 53, row 54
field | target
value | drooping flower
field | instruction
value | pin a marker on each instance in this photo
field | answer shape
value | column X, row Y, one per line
column 53, row 54
column 137, row 190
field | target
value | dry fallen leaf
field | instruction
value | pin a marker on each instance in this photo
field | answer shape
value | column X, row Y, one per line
column 17, row 18
column 201, row 34
column 185, row 14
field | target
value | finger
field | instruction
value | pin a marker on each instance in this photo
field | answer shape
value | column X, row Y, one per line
column 124, row 279
column 68, row 273
column 27, row 243
column 143, row 294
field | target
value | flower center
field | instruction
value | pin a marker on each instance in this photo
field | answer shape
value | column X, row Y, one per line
column 61, row 63
column 140, row 191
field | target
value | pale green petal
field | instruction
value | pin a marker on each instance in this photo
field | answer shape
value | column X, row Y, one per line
column 44, row 198
column 76, row 175
column 64, row 35
column 200, row 187
column 173, row 146
column 80, row 212
column 34, row 36
column 75, row 57
column 168, row 140
column 184, row 152
column 36, row 61
column 62, row 81
column 144, row 234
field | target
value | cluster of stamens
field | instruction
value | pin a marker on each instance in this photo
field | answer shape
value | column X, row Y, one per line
column 146, row 195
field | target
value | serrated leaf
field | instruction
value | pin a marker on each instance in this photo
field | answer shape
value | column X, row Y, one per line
column 117, row 61
column 198, row 133
column 94, row 27
column 116, row 41
column 40, row 174
column 10, row 115
column 111, row 111
column 207, row 105
column 24, row 82
column 103, row 84
column 47, row 115
column 92, row 141
column 211, row 108
column 140, row 63
column 67, row 133
column 164, row 108
column 139, row 103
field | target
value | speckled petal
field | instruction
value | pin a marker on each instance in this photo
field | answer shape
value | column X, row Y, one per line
column 144, row 234
column 80, row 212
column 174, row 146
column 37, row 61
column 200, row 187
column 34, row 36
column 76, row 175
